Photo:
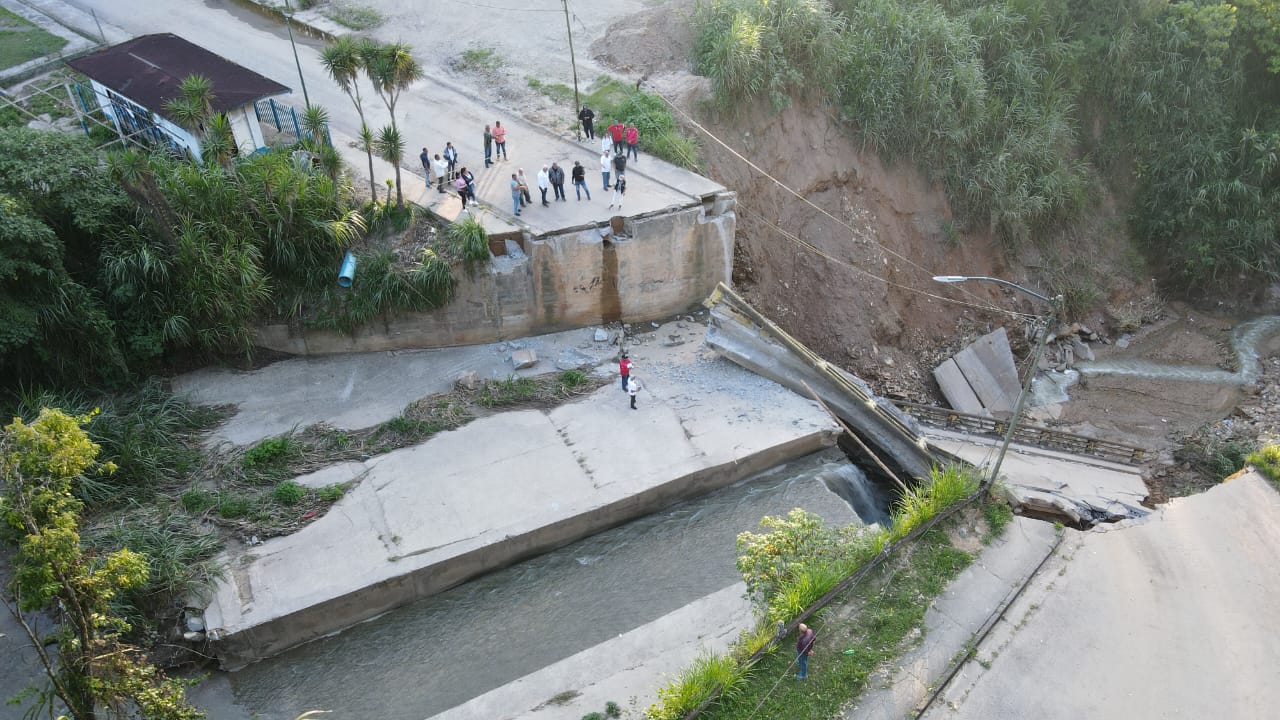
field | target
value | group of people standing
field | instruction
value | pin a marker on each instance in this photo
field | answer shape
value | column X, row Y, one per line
column 445, row 168
column 620, row 143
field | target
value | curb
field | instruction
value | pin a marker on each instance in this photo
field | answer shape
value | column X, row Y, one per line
column 976, row 639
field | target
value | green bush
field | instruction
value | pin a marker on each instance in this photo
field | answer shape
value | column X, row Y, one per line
column 470, row 241
column 197, row 501
column 180, row 558
column 271, row 453
column 149, row 433
column 331, row 493
column 232, row 506
column 288, row 493
column 1267, row 461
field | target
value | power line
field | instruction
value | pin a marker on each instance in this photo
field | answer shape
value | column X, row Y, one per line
column 807, row 201
column 796, row 239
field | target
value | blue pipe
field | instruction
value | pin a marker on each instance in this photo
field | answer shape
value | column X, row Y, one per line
column 348, row 271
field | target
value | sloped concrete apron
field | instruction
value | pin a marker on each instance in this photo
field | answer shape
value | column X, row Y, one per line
column 500, row 489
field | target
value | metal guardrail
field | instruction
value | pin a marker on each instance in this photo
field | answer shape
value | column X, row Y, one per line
column 1025, row 434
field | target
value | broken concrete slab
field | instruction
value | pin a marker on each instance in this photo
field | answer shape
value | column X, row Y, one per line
column 1073, row 488
column 1171, row 616
column 410, row 528
column 956, row 389
column 521, row 359
column 987, row 364
column 739, row 332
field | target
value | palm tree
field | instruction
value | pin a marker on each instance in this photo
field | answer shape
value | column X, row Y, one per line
column 193, row 110
column 391, row 69
column 344, row 60
column 390, row 147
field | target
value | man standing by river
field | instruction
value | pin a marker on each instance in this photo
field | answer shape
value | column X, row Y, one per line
column 804, row 646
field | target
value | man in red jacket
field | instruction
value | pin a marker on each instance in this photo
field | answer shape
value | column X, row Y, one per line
column 632, row 136
column 624, row 366
column 616, row 131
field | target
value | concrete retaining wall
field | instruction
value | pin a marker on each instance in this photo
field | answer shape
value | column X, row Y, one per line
column 631, row 269
column 269, row 638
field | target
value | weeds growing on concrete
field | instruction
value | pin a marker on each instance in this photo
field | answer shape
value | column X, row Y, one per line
column 356, row 17
column 1267, row 461
column 998, row 516
column 794, row 565
column 875, row 621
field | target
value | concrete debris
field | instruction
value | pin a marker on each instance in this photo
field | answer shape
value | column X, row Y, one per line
column 514, row 251
column 1081, row 349
column 522, row 359
column 572, row 359
column 193, row 636
column 601, row 335
column 982, row 378
column 469, row 380
column 195, row 622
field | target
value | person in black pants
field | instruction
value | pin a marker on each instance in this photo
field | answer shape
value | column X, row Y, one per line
column 588, row 118
column 557, row 181
column 580, row 180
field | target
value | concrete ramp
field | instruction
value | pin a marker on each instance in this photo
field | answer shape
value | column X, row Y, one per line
column 740, row 333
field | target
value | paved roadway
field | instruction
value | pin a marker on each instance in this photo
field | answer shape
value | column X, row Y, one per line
column 1173, row 616
column 430, row 112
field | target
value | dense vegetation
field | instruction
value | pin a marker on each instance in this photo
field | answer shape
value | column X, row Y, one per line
column 992, row 96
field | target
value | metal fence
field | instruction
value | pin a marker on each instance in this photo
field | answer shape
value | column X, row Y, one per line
column 1025, row 434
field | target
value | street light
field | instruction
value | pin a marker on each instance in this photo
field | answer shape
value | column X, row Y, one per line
column 288, row 24
column 573, row 61
column 1055, row 303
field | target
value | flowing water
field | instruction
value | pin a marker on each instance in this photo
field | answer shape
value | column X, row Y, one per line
column 439, row 652
column 1245, row 339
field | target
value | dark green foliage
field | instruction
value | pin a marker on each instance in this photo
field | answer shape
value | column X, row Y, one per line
column 1211, row 456
column 149, row 433
column 611, row 710
column 331, row 493
column 382, row 283
column 180, row 556
column 470, row 241
column 288, row 493
column 55, row 205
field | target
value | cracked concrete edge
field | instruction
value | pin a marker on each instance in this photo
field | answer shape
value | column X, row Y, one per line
column 1001, row 626
column 890, row 699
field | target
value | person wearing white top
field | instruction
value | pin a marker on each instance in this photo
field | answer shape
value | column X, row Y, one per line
column 442, row 168
column 606, row 145
column 606, row 165
column 633, row 387
column 544, row 184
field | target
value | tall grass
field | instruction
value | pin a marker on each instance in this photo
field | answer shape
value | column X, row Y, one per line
column 470, row 241
column 798, row 560
column 181, row 559
column 150, row 434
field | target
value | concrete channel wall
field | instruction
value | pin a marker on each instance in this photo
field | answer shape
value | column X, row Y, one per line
column 631, row 269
